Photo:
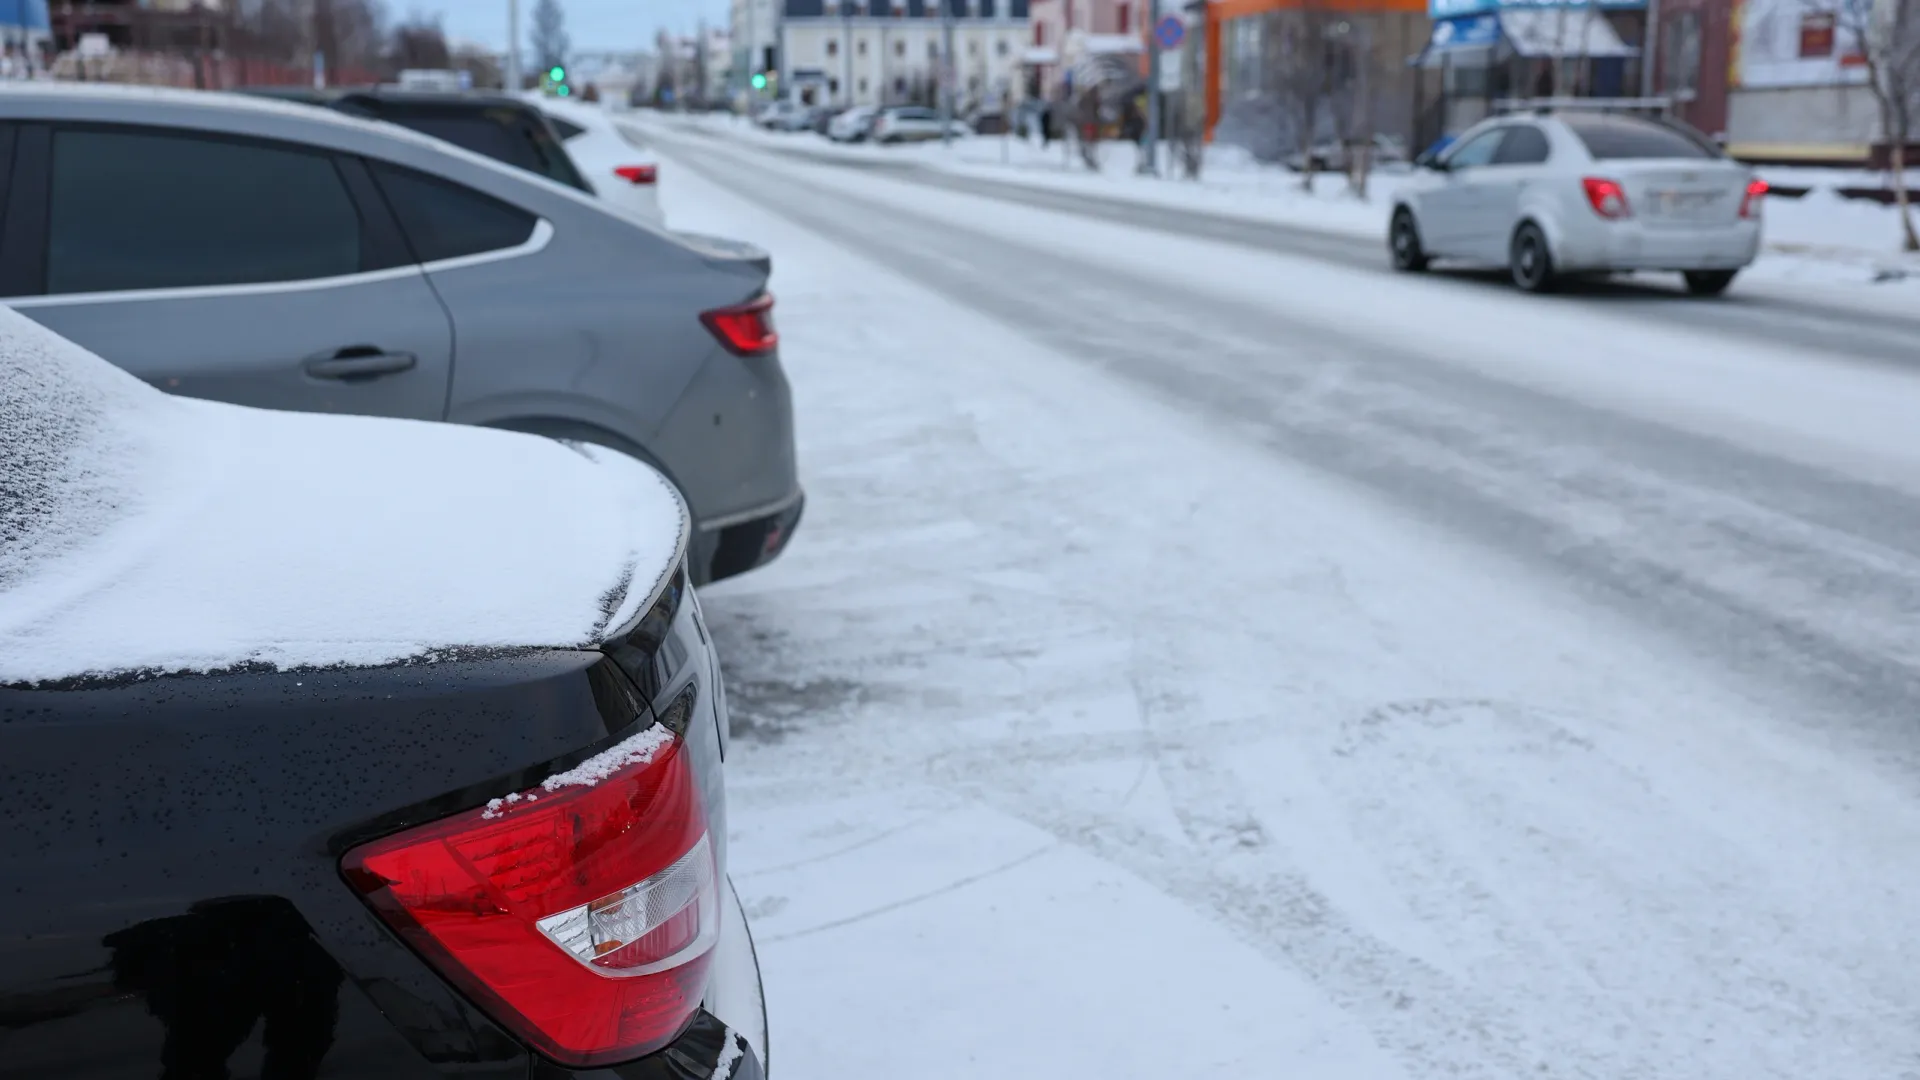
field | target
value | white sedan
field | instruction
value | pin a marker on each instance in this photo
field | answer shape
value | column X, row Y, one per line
column 1552, row 193
column 913, row 124
column 620, row 170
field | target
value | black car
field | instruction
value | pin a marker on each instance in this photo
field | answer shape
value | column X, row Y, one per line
column 505, row 129
column 468, row 862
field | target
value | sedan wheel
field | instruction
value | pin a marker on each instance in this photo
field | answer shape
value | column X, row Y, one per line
column 1403, row 238
column 1529, row 260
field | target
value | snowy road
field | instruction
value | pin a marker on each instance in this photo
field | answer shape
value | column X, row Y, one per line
column 1199, row 661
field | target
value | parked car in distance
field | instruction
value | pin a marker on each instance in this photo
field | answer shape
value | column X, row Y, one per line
column 618, row 167
column 357, row 747
column 822, row 119
column 1571, row 191
column 289, row 257
column 853, row 125
column 784, row 116
column 505, row 129
column 913, row 124
column 1387, row 153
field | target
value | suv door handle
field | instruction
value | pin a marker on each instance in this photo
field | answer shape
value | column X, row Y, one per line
column 359, row 362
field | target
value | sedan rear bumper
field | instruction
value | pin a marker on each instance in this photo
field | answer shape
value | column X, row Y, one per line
column 707, row 1049
column 1632, row 245
column 739, row 545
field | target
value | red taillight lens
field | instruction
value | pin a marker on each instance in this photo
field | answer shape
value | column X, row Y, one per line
column 1750, row 203
column 745, row 329
column 581, row 914
column 1607, row 198
column 638, row 174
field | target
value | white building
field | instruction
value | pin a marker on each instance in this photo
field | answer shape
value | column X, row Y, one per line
column 887, row 52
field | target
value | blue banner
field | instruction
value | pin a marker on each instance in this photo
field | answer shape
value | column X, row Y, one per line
column 1448, row 9
column 24, row 15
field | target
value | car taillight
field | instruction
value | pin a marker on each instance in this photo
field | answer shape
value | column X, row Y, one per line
column 1607, row 198
column 637, row 174
column 745, row 329
column 1750, row 203
column 581, row 914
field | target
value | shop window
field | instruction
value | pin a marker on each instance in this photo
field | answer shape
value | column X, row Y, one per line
column 1123, row 18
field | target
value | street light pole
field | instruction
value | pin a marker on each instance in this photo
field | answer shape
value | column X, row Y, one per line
column 946, row 72
column 1151, row 164
column 513, row 47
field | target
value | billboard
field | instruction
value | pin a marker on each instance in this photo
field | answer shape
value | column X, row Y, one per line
column 1797, row 43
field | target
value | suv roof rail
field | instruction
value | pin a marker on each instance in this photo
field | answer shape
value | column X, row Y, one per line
column 1659, row 106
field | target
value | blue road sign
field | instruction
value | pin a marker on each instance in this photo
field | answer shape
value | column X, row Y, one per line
column 1170, row 32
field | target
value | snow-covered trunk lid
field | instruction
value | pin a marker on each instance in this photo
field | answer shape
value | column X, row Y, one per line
column 141, row 532
column 1681, row 193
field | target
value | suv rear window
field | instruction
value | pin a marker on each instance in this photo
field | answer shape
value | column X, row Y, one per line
column 505, row 134
column 1613, row 138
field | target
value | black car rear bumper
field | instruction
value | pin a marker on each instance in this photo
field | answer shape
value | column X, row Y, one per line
column 734, row 549
column 696, row 1055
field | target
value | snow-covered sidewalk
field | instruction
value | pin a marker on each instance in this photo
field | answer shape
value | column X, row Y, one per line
column 1818, row 236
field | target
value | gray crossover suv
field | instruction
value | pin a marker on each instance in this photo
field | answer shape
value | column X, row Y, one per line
column 287, row 257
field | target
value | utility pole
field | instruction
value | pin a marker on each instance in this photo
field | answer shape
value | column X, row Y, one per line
column 514, row 81
column 1151, row 164
column 1649, row 48
column 322, row 41
column 947, row 70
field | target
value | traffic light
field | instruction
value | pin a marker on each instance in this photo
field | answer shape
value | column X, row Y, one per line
column 557, row 73
column 759, row 81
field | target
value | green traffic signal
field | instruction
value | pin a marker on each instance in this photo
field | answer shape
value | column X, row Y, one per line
column 565, row 90
column 759, row 82
column 557, row 73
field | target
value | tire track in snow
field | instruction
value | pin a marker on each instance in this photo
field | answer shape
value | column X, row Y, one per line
column 1782, row 572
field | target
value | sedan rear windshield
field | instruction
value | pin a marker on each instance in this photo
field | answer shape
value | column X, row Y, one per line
column 506, row 135
column 1614, row 138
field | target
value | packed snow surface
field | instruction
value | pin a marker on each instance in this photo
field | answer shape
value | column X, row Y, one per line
column 1200, row 661
column 141, row 532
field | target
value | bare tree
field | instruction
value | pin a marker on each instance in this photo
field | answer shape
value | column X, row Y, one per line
column 1305, row 76
column 1886, row 36
column 1358, row 56
column 550, row 44
column 479, row 64
column 420, row 42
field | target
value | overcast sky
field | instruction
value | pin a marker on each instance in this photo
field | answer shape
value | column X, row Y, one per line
column 592, row 24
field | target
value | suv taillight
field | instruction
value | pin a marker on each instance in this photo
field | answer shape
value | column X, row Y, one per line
column 1750, row 202
column 581, row 914
column 745, row 329
column 637, row 174
column 1607, row 198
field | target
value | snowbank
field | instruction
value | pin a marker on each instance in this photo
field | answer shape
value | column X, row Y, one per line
column 146, row 533
column 1820, row 224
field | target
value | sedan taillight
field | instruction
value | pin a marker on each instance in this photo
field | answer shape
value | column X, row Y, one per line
column 1750, row 202
column 744, row 329
column 1607, row 198
column 581, row 915
column 638, row 174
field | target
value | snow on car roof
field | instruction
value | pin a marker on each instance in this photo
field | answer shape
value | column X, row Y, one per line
column 146, row 533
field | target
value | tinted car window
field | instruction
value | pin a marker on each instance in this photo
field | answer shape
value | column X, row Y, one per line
column 1478, row 150
column 135, row 210
column 566, row 129
column 1611, row 138
column 445, row 220
column 507, row 135
column 1524, row 145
